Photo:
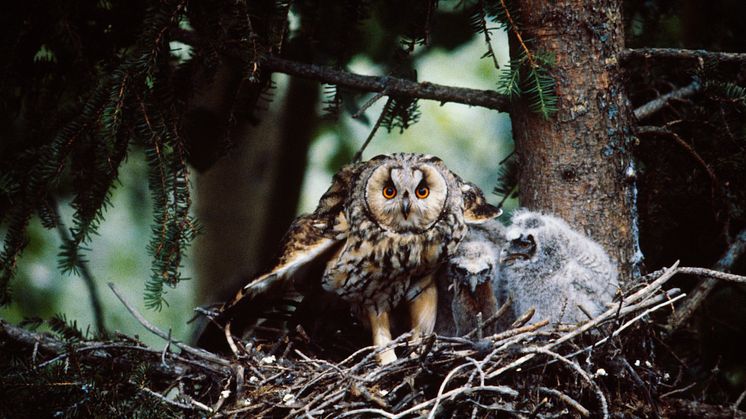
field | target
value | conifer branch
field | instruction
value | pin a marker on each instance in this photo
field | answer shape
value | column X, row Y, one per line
column 681, row 54
column 482, row 26
column 397, row 87
column 514, row 29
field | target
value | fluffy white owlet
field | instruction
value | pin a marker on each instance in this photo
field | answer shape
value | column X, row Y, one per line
column 469, row 281
column 378, row 234
column 560, row 272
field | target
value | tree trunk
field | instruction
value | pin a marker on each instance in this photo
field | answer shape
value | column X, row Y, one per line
column 577, row 164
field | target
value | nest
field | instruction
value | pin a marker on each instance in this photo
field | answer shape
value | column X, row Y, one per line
column 609, row 366
column 594, row 369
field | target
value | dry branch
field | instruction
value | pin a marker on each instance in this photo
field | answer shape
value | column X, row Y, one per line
column 705, row 286
column 682, row 54
column 393, row 86
column 660, row 102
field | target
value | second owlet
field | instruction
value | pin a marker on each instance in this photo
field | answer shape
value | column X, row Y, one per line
column 565, row 276
column 378, row 234
column 468, row 283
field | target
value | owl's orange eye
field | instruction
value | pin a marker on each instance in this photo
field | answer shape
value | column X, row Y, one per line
column 389, row 192
column 422, row 192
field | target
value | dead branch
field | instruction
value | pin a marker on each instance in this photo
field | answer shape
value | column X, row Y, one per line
column 567, row 399
column 394, row 86
column 681, row 54
column 660, row 102
column 201, row 353
column 575, row 367
column 705, row 286
column 688, row 148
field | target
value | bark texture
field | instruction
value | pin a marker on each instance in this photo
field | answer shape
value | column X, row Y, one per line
column 577, row 164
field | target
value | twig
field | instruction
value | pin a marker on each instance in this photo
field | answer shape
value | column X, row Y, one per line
column 739, row 400
column 686, row 146
column 164, row 399
column 524, row 318
column 493, row 318
column 201, row 353
column 705, row 286
column 610, row 313
column 397, row 87
column 359, row 155
column 710, row 273
column 660, row 102
column 628, row 323
column 370, row 103
column 685, row 54
column 567, row 399
column 85, row 273
column 678, row 390
column 580, row 371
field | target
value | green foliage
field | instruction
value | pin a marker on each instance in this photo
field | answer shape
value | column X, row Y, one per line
column 68, row 331
column 727, row 90
column 528, row 74
column 507, row 178
column 400, row 112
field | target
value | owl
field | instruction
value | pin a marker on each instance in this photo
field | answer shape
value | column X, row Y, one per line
column 377, row 236
column 560, row 272
column 469, row 281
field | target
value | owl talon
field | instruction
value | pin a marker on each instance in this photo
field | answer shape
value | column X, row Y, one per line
column 386, row 357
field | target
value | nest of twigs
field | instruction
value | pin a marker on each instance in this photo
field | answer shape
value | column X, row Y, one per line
column 599, row 367
column 604, row 367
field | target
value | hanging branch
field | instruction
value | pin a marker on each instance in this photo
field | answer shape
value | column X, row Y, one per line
column 85, row 273
column 396, row 87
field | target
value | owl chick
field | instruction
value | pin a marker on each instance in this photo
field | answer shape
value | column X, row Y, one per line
column 378, row 235
column 469, row 281
column 564, row 275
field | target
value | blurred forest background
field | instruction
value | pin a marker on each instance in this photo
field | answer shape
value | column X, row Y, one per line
column 681, row 215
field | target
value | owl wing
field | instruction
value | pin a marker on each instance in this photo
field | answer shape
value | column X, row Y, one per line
column 311, row 241
column 476, row 208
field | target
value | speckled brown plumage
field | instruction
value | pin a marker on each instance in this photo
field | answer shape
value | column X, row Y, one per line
column 380, row 231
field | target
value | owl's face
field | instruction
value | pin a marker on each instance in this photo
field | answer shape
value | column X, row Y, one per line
column 406, row 195
column 532, row 240
column 473, row 265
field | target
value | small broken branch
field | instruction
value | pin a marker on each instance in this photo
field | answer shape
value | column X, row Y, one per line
column 660, row 102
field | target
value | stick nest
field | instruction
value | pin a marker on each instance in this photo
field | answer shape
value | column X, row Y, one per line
column 608, row 366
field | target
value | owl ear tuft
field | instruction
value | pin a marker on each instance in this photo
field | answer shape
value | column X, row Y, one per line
column 476, row 208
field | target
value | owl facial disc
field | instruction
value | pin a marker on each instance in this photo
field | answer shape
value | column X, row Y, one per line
column 406, row 197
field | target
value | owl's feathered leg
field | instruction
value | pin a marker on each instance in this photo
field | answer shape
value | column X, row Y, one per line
column 379, row 325
column 423, row 309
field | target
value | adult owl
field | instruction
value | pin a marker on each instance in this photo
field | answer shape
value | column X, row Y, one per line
column 378, row 234
column 469, row 281
column 564, row 275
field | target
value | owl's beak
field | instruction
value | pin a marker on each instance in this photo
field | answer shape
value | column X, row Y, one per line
column 406, row 205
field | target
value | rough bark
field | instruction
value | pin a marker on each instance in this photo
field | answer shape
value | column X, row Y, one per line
column 577, row 163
